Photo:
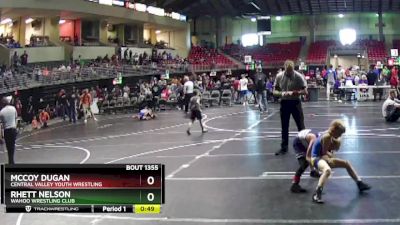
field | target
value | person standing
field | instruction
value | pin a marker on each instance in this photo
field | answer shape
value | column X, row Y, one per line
column 386, row 73
column 15, row 59
column 8, row 117
column 290, row 85
column 372, row 76
column 72, row 102
column 331, row 79
column 63, row 103
column 24, row 59
column 260, row 81
column 188, row 88
column 243, row 89
column 379, row 91
column 394, row 78
column 86, row 101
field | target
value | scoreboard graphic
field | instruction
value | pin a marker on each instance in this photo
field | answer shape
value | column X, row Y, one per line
column 89, row 188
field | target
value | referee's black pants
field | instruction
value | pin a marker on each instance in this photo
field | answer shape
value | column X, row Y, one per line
column 10, row 135
column 294, row 108
column 187, row 101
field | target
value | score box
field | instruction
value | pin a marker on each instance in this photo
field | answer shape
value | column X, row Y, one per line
column 82, row 184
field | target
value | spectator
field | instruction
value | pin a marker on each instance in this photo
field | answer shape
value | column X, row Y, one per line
column 44, row 117
column 371, row 76
column 386, row 73
column 243, row 89
column 24, row 59
column 126, row 54
column 15, row 59
column 127, row 92
column 166, row 92
column 72, row 102
column 379, row 91
column 260, row 85
column 391, row 107
column 106, row 59
column 394, row 78
column 270, row 88
column 331, row 78
column 62, row 102
column 35, row 123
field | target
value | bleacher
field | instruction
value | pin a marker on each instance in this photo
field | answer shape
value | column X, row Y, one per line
column 206, row 56
column 376, row 49
column 270, row 54
column 318, row 51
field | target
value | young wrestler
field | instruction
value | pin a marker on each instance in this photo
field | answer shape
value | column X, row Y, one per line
column 195, row 112
column 303, row 141
column 323, row 159
column 145, row 114
column 44, row 117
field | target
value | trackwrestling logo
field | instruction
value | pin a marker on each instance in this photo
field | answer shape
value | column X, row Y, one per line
column 28, row 208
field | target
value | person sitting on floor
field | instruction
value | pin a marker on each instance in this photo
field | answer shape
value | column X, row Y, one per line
column 44, row 118
column 391, row 107
column 145, row 114
column 35, row 124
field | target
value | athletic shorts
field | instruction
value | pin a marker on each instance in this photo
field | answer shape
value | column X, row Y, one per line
column 196, row 114
column 299, row 148
column 314, row 162
column 141, row 115
column 243, row 93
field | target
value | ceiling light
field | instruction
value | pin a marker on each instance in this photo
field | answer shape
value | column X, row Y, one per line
column 253, row 19
column 5, row 21
column 341, row 15
column 158, row 31
column 278, row 18
column 61, row 22
column 29, row 20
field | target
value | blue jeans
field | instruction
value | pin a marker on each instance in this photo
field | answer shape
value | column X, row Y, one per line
column 72, row 114
column 262, row 100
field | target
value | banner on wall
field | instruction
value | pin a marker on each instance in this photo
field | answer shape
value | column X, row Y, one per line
column 247, row 59
column 394, row 52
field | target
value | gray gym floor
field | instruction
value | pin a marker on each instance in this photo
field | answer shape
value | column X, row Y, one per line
column 230, row 175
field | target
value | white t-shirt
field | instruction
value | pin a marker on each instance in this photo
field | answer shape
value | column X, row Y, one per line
column 8, row 116
column 388, row 106
column 243, row 84
column 188, row 87
column 302, row 135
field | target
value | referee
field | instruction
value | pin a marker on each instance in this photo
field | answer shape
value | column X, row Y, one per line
column 8, row 117
column 188, row 88
column 290, row 85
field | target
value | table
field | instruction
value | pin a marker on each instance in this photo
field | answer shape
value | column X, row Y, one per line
column 369, row 87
